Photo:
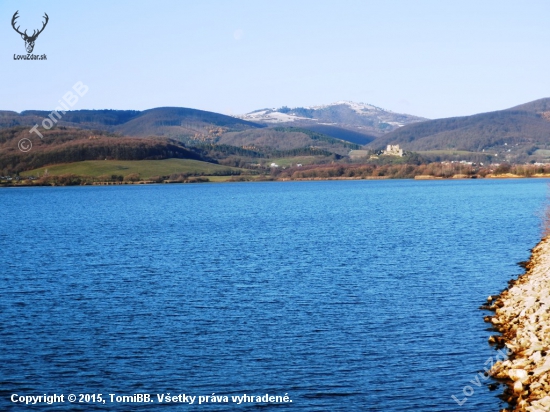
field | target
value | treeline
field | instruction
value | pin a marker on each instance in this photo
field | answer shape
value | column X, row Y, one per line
column 347, row 171
column 332, row 171
column 522, row 170
column 434, row 157
column 77, row 180
column 406, row 171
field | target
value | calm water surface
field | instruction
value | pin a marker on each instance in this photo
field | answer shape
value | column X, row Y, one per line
column 347, row 296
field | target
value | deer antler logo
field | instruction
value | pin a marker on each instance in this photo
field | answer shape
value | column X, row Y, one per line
column 29, row 40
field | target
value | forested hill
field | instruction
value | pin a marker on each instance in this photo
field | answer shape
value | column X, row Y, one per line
column 66, row 145
column 163, row 121
column 536, row 106
column 519, row 131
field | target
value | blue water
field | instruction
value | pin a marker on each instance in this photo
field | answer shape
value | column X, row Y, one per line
column 347, row 295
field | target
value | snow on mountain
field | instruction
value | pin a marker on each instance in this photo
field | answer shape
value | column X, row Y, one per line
column 270, row 116
column 362, row 117
column 357, row 107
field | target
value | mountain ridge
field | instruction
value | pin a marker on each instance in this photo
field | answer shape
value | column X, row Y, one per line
column 171, row 122
column 517, row 134
column 362, row 118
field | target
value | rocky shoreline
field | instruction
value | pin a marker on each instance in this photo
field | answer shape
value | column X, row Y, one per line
column 522, row 316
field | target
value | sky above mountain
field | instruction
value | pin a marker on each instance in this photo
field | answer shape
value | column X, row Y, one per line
column 428, row 58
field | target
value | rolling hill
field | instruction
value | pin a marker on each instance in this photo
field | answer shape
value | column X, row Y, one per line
column 515, row 134
column 286, row 138
column 65, row 145
column 172, row 122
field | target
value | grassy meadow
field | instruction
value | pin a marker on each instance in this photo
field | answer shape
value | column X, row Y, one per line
column 145, row 168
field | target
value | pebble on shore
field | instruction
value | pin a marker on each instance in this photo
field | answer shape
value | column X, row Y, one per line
column 522, row 316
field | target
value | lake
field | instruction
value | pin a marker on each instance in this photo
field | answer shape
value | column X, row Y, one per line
column 342, row 295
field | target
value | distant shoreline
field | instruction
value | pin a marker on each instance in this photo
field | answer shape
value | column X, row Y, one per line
column 242, row 179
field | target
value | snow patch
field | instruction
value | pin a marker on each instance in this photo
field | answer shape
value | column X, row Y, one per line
column 360, row 108
column 271, row 116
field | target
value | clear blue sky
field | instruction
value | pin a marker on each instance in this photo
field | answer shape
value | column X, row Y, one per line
column 432, row 58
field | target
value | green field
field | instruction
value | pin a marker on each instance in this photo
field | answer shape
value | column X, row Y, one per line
column 145, row 168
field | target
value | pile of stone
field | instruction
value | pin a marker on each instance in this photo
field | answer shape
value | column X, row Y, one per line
column 522, row 316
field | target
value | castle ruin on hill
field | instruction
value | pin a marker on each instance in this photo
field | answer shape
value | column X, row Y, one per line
column 393, row 150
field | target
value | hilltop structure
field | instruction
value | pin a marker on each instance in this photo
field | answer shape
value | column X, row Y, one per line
column 393, row 150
